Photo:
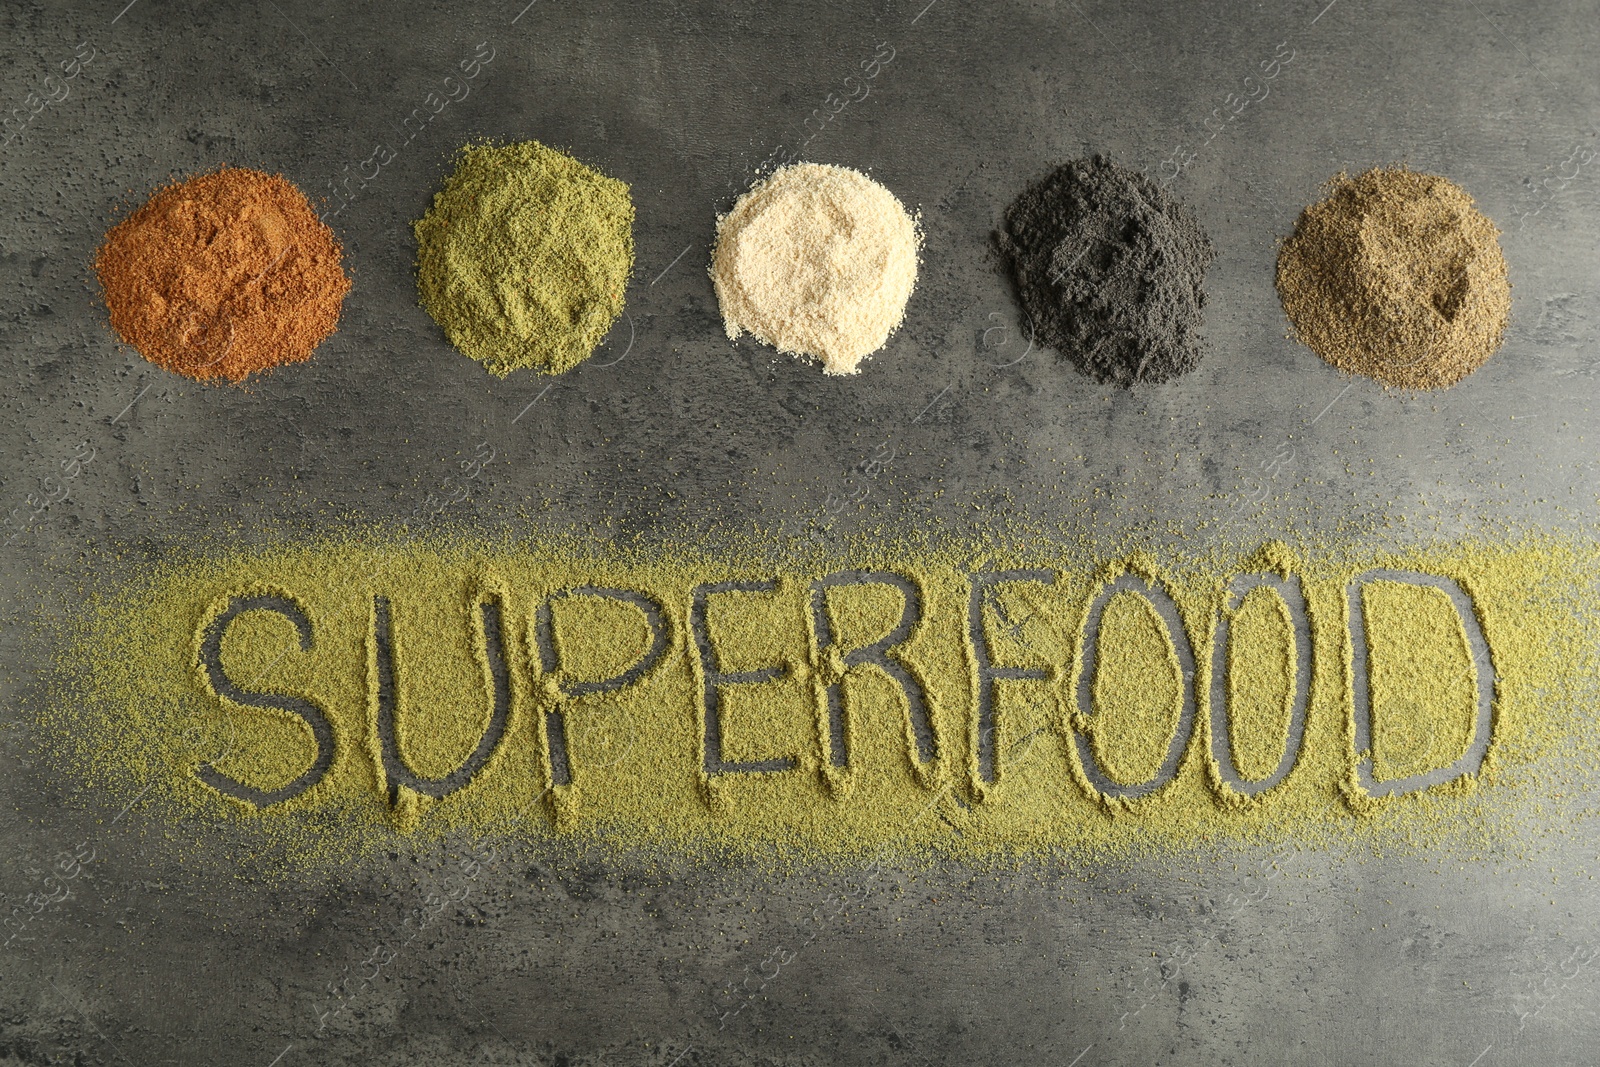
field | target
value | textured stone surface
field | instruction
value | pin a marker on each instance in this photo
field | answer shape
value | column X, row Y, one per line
column 170, row 951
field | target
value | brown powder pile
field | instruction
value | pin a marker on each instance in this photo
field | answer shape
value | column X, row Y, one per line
column 816, row 261
column 223, row 276
column 1396, row 276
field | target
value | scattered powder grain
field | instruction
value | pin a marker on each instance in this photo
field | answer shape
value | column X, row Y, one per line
column 524, row 256
column 132, row 709
column 1110, row 271
column 816, row 261
column 223, row 276
column 1396, row 276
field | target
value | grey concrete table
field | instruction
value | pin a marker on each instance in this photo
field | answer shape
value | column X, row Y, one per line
column 161, row 959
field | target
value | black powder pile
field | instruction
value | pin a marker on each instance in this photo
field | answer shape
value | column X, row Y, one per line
column 1109, row 269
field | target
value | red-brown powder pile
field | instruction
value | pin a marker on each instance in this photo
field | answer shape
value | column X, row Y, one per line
column 223, row 276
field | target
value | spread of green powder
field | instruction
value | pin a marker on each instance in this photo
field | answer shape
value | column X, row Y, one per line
column 1261, row 660
column 1138, row 690
column 921, row 698
column 524, row 256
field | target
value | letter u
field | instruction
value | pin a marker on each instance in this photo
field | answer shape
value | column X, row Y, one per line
column 386, row 698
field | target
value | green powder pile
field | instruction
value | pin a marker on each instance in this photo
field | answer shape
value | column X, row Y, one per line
column 524, row 256
column 869, row 702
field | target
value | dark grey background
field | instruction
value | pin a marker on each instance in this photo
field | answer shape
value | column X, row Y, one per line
column 171, row 950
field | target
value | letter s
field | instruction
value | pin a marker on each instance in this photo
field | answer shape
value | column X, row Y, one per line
column 210, row 657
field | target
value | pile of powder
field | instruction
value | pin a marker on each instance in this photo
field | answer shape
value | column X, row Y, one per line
column 524, row 255
column 1109, row 270
column 223, row 275
column 1397, row 276
column 816, row 261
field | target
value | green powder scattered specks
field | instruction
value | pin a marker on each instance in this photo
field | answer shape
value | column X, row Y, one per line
column 524, row 255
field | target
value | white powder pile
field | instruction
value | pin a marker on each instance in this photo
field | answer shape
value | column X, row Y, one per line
column 816, row 261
